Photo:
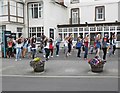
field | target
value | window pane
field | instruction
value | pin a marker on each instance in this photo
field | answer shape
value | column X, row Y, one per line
column 75, row 16
column 74, row 1
column 20, row 9
column 75, row 36
column 11, row 10
column 38, row 34
column 38, row 29
column 100, row 13
column 5, row 10
column 36, row 12
column 34, row 29
column 65, row 34
column 118, row 36
column 33, row 34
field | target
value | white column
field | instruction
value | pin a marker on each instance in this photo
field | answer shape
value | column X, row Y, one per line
column 83, row 32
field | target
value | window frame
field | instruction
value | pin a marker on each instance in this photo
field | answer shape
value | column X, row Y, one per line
column 78, row 19
column 38, row 30
column 39, row 7
column 74, row 2
column 96, row 13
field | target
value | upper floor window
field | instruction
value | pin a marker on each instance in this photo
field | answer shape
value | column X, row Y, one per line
column 4, row 7
column 35, row 10
column 20, row 8
column 74, row 1
column 100, row 13
column 75, row 15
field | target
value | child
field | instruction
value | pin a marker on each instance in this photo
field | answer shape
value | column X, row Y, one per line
column 51, row 46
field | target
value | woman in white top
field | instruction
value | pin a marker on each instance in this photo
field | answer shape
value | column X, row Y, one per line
column 47, row 50
column 19, row 45
column 66, row 46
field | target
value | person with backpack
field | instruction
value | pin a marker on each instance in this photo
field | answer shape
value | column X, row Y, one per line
column 78, row 46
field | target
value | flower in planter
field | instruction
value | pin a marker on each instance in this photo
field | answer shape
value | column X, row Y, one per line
column 96, row 61
column 35, row 62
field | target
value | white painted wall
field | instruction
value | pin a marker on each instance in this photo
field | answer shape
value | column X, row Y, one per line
column 53, row 14
column 111, row 12
column 87, row 12
column 13, row 28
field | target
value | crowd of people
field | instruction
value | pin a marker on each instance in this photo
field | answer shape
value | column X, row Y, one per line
column 27, row 47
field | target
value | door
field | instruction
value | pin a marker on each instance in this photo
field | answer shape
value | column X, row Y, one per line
column 51, row 33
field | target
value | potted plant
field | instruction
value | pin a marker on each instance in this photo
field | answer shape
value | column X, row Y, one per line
column 37, row 64
column 96, row 64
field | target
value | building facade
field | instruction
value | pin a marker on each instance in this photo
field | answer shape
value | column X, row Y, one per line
column 64, row 17
column 92, row 17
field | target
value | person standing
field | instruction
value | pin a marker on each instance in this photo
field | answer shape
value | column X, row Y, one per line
column 57, row 43
column 86, row 41
column 98, row 44
column 19, row 45
column 104, row 47
column 51, row 46
column 66, row 46
column 114, row 44
column 10, row 44
column 70, row 44
column 78, row 46
column 25, row 45
column 33, row 46
column 47, row 51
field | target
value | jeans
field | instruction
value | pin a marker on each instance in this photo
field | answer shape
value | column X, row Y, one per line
column 9, row 52
column 111, row 50
column 114, row 48
column 33, row 53
column 79, row 51
column 86, row 52
column 51, row 51
column 18, row 53
column 69, row 48
column 104, row 53
column 47, row 52
column 57, row 49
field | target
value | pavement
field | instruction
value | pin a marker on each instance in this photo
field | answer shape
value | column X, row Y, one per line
column 61, row 74
column 59, row 66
